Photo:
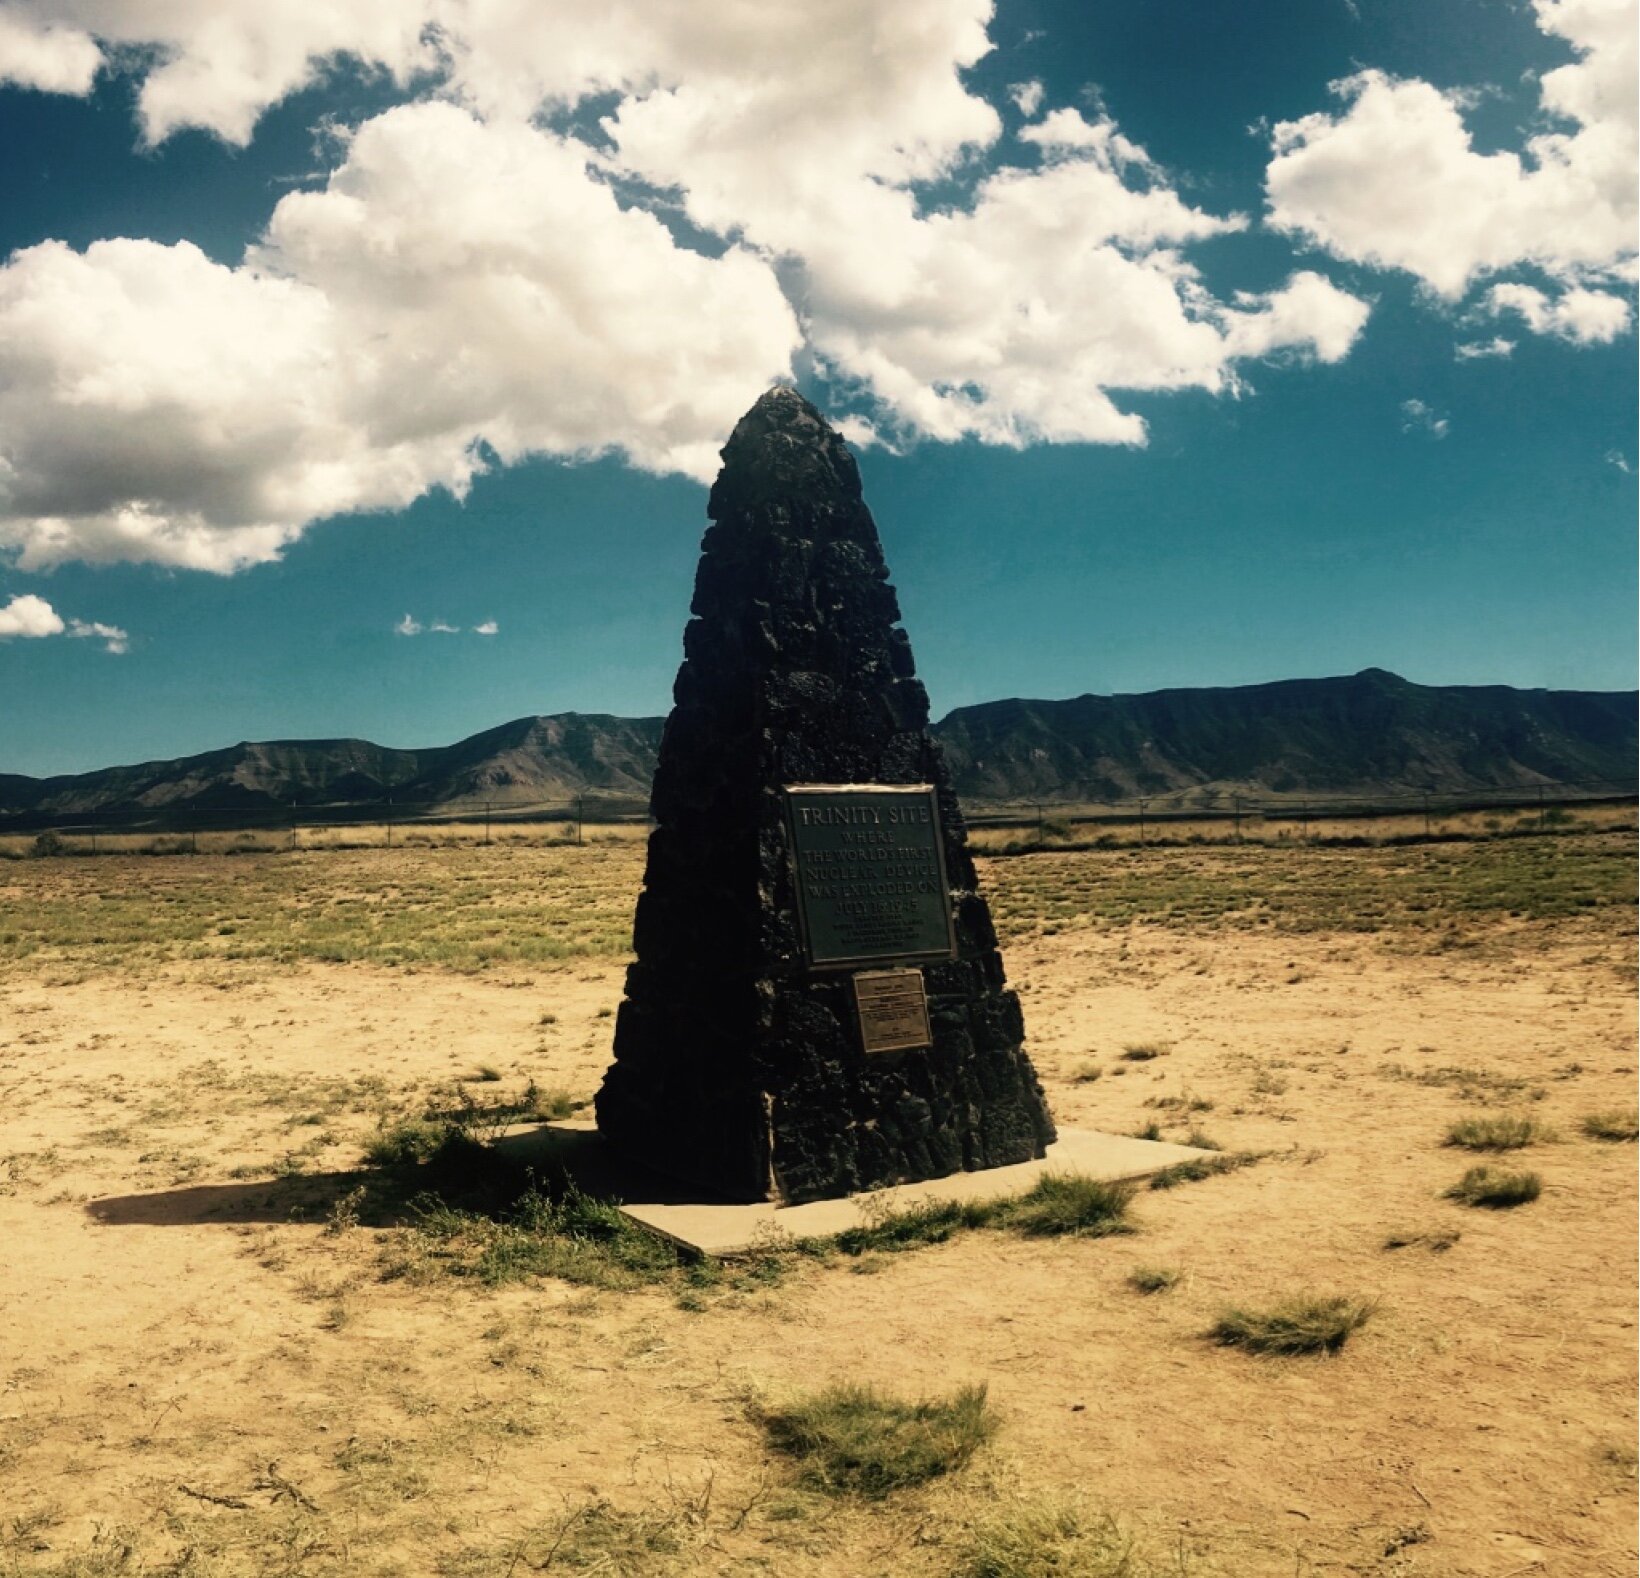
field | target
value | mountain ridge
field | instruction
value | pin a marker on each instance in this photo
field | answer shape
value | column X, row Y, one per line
column 1366, row 733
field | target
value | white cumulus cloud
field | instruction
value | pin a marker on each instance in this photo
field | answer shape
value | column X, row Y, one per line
column 470, row 282
column 1476, row 350
column 1394, row 180
column 1419, row 417
column 29, row 616
column 214, row 66
column 36, row 53
column 32, row 618
column 1027, row 97
column 1586, row 317
column 112, row 637
column 411, row 626
column 455, row 283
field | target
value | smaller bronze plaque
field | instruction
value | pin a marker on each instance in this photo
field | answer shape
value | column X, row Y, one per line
column 893, row 1008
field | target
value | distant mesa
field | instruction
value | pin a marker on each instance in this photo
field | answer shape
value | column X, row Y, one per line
column 1366, row 734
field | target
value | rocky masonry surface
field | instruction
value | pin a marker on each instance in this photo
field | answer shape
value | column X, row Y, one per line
column 736, row 1066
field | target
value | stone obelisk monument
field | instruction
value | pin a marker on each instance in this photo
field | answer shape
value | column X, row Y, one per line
column 818, row 1004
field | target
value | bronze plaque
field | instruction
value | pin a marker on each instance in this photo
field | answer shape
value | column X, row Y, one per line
column 893, row 1007
column 870, row 867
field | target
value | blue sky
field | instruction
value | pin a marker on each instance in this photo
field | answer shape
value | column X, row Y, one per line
column 1182, row 345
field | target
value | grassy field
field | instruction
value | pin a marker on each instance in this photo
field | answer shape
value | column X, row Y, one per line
column 1020, row 830
column 266, row 1307
column 476, row 908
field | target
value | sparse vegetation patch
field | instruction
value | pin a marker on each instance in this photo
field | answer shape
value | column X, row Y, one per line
column 1056, row 1538
column 925, row 1222
column 1479, row 1085
column 1495, row 1134
column 1495, row 1189
column 1058, row 1205
column 855, row 1440
column 1303, row 1324
column 1436, row 1242
column 1616, row 1124
column 1144, row 1051
column 1200, row 1167
column 1067, row 1204
column 1153, row 1279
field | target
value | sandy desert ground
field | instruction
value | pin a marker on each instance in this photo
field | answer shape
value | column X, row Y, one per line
column 223, row 1350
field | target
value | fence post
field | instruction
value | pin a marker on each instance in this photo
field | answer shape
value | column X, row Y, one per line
column 1236, row 801
column 580, row 816
column 293, row 825
column 1142, row 805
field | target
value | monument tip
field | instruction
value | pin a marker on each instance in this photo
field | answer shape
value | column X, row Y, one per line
column 784, row 444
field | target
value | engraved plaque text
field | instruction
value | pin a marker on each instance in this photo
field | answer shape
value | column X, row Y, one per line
column 870, row 866
column 893, row 1007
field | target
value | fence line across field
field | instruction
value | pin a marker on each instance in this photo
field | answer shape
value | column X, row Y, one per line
column 394, row 821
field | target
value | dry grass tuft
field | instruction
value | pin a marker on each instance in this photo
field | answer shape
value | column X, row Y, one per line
column 854, row 1440
column 1153, row 1279
column 1495, row 1189
column 1306, row 1323
column 1437, row 1243
column 1067, row 1204
column 1496, row 1134
column 1056, row 1538
column 1616, row 1125
column 1144, row 1051
column 1200, row 1167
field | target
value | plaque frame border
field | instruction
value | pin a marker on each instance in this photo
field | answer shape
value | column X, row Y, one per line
column 929, row 956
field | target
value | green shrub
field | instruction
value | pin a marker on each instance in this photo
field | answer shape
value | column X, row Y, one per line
column 854, row 1440
column 406, row 1144
column 1064, row 1204
column 575, row 1237
column 925, row 1222
column 1305, row 1324
column 1495, row 1189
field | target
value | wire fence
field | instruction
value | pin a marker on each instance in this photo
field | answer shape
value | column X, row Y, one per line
column 256, row 824
column 1211, row 804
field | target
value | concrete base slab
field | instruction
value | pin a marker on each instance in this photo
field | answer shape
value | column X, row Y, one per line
column 718, row 1228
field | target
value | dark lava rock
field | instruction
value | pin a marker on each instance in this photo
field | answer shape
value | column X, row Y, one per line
column 736, row 1067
